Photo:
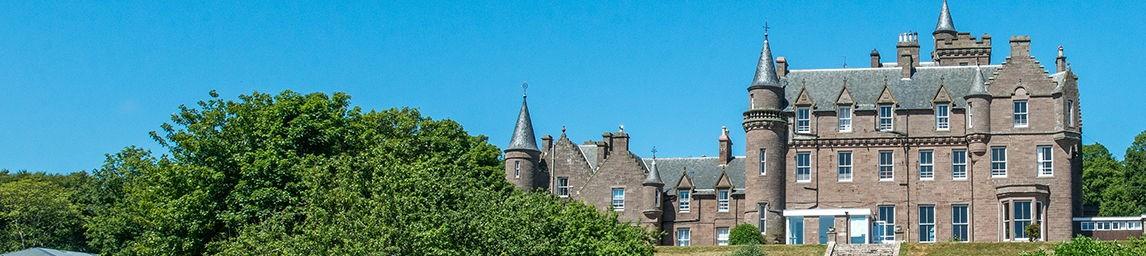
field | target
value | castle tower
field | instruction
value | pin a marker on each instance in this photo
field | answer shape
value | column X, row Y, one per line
column 979, row 121
column 766, row 137
column 522, row 156
column 652, row 187
column 954, row 48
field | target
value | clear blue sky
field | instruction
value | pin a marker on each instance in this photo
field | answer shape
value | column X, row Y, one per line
column 79, row 79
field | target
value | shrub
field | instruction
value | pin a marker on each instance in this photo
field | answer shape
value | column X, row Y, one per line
column 748, row 250
column 1033, row 231
column 745, row 234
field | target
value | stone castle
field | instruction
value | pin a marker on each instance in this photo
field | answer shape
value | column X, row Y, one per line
column 954, row 149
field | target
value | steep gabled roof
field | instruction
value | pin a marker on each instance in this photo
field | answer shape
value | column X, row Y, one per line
column 703, row 172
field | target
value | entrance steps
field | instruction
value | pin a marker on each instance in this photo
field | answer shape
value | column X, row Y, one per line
column 888, row 249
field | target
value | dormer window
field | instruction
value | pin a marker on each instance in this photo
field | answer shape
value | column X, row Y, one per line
column 684, row 203
column 844, row 118
column 722, row 200
column 885, row 120
column 942, row 117
column 803, row 120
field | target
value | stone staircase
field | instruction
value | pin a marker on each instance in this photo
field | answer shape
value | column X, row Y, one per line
column 889, row 249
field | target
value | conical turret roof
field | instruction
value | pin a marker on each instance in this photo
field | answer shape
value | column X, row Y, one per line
column 654, row 176
column 979, row 84
column 945, row 23
column 523, row 138
column 766, row 66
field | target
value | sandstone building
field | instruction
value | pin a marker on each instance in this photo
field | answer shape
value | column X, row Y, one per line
column 955, row 148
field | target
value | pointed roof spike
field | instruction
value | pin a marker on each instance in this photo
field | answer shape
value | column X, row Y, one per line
column 654, row 177
column 766, row 66
column 979, row 86
column 523, row 138
column 945, row 24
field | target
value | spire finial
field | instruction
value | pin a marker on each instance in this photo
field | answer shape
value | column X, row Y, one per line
column 562, row 129
column 766, row 27
column 524, row 88
column 654, row 153
column 622, row 127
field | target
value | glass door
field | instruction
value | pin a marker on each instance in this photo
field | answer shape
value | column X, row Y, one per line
column 796, row 230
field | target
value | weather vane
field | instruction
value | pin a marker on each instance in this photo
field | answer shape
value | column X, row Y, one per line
column 524, row 88
column 766, row 27
column 654, row 152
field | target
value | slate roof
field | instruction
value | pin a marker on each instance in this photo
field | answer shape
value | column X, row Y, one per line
column 590, row 152
column 45, row 252
column 523, row 138
column 703, row 171
column 945, row 24
column 866, row 84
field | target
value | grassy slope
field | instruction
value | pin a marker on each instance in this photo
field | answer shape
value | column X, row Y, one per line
column 967, row 249
column 770, row 250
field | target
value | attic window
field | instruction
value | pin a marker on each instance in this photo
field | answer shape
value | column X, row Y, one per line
column 942, row 117
column 803, row 120
column 885, row 121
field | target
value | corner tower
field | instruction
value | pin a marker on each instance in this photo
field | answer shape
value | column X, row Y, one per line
column 522, row 155
column 954, row 48
column 766, row 137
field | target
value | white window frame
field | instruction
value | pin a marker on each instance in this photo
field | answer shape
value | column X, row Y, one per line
column 965, row 223
column 517, row 169
column 618, row 201
column 1086, row 226
column 844, row 118
column 890, row 118
column 684, row 200
column 722, row 236
column 942, row 117
column 763, row 162
column 722, row 196
column 998, row 162
column 803, row 120
column 970, row 115
column 887, row 218
column 803, row 169
column 889, row 166
column 927, row 164
column 924, row 224
column 1044, row 157
column 562, row 189
column 1020, row 116
column 958, row 166
column 1028, row 219
column 683, row 237
column 844, row 170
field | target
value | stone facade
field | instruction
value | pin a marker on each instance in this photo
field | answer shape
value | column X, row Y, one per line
column 954, row 146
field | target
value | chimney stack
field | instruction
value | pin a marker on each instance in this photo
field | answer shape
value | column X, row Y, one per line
column 546, row 142
column 725, row 146
column 1021, row 46
column 781, row 66
column 620, row 140
column 604, row 146
column 1060, row 61
column 907, row 53
column 875, row 61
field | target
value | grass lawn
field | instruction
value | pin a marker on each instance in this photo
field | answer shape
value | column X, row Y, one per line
column 770, row 250
column 967, row 249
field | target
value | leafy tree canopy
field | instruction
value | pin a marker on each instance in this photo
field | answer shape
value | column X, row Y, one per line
column 309, row 174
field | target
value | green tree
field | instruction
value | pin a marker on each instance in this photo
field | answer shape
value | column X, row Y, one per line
column 38, row 213
column 1099, row 171
column 1135, row 172
column 309, row 174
